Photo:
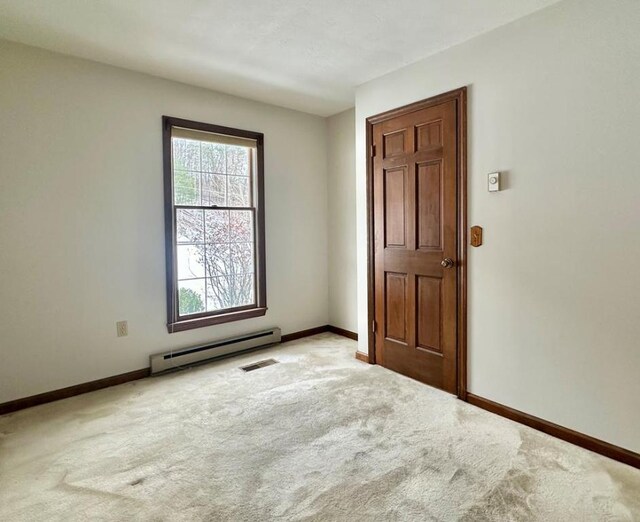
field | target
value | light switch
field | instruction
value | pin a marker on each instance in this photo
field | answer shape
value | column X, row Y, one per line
column 494, row 182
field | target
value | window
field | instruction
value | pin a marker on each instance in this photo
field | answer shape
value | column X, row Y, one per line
column 214, row 224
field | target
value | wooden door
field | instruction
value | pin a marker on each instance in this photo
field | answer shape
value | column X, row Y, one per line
column 415, row 243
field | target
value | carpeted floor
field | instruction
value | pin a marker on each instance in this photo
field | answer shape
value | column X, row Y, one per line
column 319, row 436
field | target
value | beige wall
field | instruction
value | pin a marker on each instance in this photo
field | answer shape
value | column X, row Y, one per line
column 81, row 217
column 554, row 293
column 341, row 164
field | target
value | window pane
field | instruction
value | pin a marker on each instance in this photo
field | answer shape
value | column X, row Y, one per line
column 190, row 261
column 191, row 297
column 186, row 154
column 213, row 158
column 229, row 292
column 218, row 259
column 216, row 226
column 241, row 226
column 237, row 161
column 239, row 192
column 243, row 291
column 214, row 189
column 216, row 294
column 186, row 187
column 190, row 226
column 241, row 258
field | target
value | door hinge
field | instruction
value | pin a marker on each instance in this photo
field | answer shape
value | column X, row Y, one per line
column 373, row 326
column 373, row 151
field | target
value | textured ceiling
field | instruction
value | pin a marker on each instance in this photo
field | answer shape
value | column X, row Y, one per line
column 303, row 54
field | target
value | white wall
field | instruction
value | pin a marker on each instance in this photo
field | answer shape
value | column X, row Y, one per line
column 82, row 226
column 554, row 293
column 341, row 164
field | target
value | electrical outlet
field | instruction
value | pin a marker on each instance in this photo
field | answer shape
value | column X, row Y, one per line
column 123, row 328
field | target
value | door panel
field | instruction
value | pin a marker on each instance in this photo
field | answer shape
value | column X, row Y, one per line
column 429, row 135
column 394, row 143
column 395, row 211
column 429, row 205
column 396, row 302
column 414, row 200
column 429, row 313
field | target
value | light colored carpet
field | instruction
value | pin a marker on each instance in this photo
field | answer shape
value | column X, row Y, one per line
column 319, row 436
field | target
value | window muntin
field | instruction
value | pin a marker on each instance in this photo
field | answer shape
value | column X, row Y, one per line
column 217, row 262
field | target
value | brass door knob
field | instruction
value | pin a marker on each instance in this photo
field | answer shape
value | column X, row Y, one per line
column 447, row 263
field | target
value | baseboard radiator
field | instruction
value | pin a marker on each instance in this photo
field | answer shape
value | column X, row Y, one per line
column 176, row 359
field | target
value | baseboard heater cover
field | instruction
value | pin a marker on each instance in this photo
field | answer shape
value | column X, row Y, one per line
column 176, row 359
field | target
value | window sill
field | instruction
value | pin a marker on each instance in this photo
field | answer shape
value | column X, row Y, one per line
column 200, row 322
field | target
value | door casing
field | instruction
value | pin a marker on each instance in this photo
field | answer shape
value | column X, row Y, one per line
column 460, row 97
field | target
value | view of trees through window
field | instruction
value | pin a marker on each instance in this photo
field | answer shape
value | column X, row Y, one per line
column 214, row 218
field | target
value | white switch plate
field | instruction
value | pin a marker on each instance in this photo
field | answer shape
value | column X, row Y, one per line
column 123, row 328
column 493, row 182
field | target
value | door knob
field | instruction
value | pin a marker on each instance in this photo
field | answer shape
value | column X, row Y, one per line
column 447, row 262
